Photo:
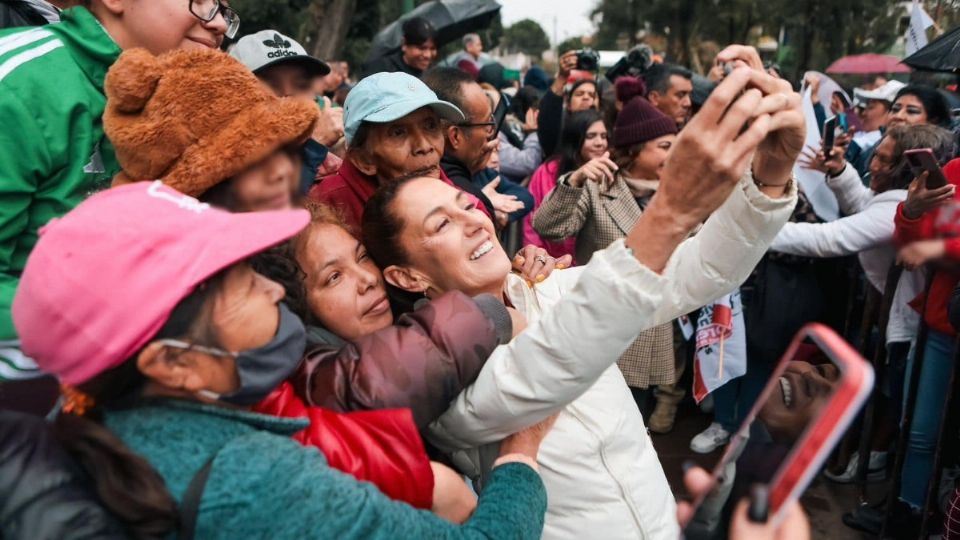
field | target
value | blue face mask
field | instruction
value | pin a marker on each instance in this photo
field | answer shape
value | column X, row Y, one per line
column 260, row 370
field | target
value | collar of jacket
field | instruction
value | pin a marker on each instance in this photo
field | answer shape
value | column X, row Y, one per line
column 616, row 189
column 362, row 185
column 639, row 187
column 455, row 172
column 88, row 42
column 318, row 335
column 273, row 424
column 454, row 168
column 397, row 60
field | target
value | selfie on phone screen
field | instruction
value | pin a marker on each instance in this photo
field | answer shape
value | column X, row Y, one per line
column 814, row 392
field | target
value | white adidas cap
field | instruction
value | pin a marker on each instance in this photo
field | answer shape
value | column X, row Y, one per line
column 268, row 47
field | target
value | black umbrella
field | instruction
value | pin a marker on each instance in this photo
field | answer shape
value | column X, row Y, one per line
column 941, row 54
column 451, row 18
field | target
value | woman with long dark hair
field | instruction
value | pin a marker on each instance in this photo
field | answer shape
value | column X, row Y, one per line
column 602, row 474
column 599, row 212
column 584, row 137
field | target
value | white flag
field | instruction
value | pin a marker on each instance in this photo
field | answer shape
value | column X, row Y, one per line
column 916, row 37
column 721, row 345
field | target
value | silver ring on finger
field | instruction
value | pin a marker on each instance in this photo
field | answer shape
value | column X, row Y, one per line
column 541, row 259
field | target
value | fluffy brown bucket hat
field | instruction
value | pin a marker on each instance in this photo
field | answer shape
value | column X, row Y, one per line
column 195, row 118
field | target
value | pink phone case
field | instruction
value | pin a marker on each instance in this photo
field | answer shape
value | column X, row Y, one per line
column 811, row 449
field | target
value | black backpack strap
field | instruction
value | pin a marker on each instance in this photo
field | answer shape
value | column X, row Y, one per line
column 190, row 505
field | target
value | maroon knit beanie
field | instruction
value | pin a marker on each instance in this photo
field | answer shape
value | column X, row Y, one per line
column 628, row 87
column 638, row 122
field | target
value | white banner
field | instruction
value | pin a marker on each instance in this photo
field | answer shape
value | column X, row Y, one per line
column 916, row 37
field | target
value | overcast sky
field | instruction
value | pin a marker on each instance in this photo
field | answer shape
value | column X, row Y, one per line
column 572, row 16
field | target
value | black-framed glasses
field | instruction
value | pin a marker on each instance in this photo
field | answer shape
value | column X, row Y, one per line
column 491, row 127
column 207, row 10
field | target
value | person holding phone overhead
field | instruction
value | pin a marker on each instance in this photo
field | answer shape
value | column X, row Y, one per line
column 604, row 478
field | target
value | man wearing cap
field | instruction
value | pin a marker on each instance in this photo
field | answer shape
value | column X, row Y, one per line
column 418, row 51
column 877, row 104
column 284, row 66
column 392, row 124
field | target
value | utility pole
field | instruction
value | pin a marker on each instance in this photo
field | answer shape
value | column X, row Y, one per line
column 556, row 44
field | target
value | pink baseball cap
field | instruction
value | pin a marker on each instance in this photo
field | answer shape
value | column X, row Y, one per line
column 103, row 279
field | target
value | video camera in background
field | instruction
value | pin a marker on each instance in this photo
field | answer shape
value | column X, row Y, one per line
column 634, row 64
column 588, row 60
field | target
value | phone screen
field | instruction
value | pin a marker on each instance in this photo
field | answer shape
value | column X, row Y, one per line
column 829, row 135
column 501, row 111
column 782, row 440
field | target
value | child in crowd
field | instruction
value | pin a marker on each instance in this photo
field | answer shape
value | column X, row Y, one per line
column 51, row 89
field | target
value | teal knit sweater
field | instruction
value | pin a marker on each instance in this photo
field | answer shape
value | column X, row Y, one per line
column 263, row 484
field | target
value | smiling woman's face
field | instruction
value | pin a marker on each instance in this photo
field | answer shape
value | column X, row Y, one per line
column 802, row 392
column 345, row 290
column 450, row 243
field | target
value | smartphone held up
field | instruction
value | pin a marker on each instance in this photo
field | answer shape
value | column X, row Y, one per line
column 829, row 136
column 814, row 393
column 922, row 160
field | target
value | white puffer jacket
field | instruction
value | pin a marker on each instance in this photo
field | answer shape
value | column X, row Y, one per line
column 601, row 471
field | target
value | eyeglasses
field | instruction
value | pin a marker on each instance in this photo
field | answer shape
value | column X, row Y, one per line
column 207, row 10
column 491, row 127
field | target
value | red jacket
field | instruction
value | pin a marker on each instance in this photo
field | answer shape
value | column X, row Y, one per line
column 382, row 447
column 399, row 379
column 943, row 222
column 349, row 189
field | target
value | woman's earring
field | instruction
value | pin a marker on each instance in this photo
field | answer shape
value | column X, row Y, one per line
column 426, row 290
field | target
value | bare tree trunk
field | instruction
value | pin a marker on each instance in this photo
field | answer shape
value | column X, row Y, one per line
column 331, row 21
column 809, row 33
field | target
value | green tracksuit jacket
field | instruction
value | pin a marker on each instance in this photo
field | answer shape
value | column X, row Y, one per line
column 53, row 152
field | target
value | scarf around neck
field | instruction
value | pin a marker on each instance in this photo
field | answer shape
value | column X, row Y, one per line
column 638, row 187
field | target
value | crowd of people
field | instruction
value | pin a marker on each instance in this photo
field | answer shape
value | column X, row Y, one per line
column 444, row 300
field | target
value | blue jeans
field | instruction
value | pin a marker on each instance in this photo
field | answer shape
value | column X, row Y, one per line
column 931, row 394
column 732, row 401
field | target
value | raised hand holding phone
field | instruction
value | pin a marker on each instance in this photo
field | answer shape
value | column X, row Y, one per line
column 829, row 135
column 929, row 189
column 922, row 160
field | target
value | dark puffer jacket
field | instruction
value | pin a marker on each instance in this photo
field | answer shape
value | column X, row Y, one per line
column 421, row 362
column 43, row 493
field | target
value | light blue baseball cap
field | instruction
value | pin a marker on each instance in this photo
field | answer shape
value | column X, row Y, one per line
column 385, row 97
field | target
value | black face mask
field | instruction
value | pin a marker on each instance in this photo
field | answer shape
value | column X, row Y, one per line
column 260, row 370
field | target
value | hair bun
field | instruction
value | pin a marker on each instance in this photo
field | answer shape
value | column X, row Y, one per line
column 628, row 87
column 132, row 80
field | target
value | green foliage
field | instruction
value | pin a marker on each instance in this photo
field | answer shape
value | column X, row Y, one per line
column 815, row 32
column 282, row 15
column 526, row 36
column 570, row 44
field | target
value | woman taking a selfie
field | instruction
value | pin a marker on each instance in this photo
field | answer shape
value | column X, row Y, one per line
column 429, row 239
